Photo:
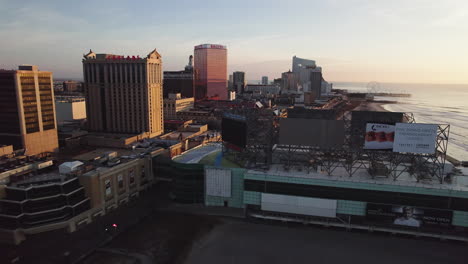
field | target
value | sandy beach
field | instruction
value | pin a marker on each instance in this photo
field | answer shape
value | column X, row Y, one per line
column 371, row 106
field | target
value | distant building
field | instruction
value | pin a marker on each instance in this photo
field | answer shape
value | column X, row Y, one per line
column 27, row 110
column 124, row 94
column 238, row 80
column 174, row 104
column 316, row 83
column 71, row 86
column 180, row 81
column 210, row 71
column 326, row 87
column 230, row 82
column 70, row 108
column 298, row 63
column 309, row 77
column 231, row 95
column 288, row 82
column 277, row 81
column 200, row 116
column 264, row 80
column 270, row 89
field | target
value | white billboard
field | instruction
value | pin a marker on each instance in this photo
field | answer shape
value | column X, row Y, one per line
column 379, row 136
column 298, row 205
column 218, row 182
column 415, row 138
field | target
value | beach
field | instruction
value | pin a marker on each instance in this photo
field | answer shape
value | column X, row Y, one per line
column 371, row 106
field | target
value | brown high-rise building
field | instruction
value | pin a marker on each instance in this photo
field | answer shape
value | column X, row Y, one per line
column 124, row 94
column 211, row 72
column 27, row 110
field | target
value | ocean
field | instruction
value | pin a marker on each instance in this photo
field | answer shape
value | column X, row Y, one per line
column 429, row 103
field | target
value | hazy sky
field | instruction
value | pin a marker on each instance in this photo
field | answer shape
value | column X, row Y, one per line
column 369, row 40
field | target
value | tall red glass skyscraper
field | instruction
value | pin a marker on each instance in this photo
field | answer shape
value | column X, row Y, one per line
column 211, row 72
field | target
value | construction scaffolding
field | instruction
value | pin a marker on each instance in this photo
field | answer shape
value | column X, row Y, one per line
column 263, row 149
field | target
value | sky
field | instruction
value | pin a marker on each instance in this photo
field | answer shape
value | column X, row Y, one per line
column 415, row 41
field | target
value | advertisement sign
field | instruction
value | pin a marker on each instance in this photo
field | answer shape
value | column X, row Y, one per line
column 298, row 205
column 379, row 136
column 408, row 215
column 218, row 182
column 415, row 138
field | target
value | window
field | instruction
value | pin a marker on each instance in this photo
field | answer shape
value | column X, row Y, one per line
column 131, row 176
column 108, row 188
column 120, row 181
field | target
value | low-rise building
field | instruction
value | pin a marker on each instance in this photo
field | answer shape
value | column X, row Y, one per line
column 70, row 108
column 263, row 89
column 71, row 86
column 41, row 196
column 175, row 103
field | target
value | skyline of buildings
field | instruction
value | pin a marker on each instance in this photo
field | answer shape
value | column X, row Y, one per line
column 210, row 71
column 27, row 110
column 124, row 94
column 182, row 82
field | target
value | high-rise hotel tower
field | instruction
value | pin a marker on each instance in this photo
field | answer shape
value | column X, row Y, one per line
column 124, row 94
column 211, row 72
column 27, row 110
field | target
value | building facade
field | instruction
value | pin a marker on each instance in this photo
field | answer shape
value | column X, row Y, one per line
column 269, row 89
column 71, row 86
column 264, row 80
column 239, row 82
column 316, row 80
column 288, row 82
column 27, row 110
column 298, row 63
column 174, row 104
column 124, row 94
column 210, row 72
column 70, row 108
column 439, row 212
column 180, row 81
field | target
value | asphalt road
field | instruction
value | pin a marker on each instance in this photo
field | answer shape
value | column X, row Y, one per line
column 242, row 242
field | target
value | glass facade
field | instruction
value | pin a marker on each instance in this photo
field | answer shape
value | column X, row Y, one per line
column 211, row 72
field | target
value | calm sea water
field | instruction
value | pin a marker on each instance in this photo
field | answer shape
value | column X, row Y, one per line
column 429, row 103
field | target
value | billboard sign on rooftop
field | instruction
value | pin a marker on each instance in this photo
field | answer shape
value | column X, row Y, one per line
column 410, row 216
column 415, row 138
column 379, row 136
